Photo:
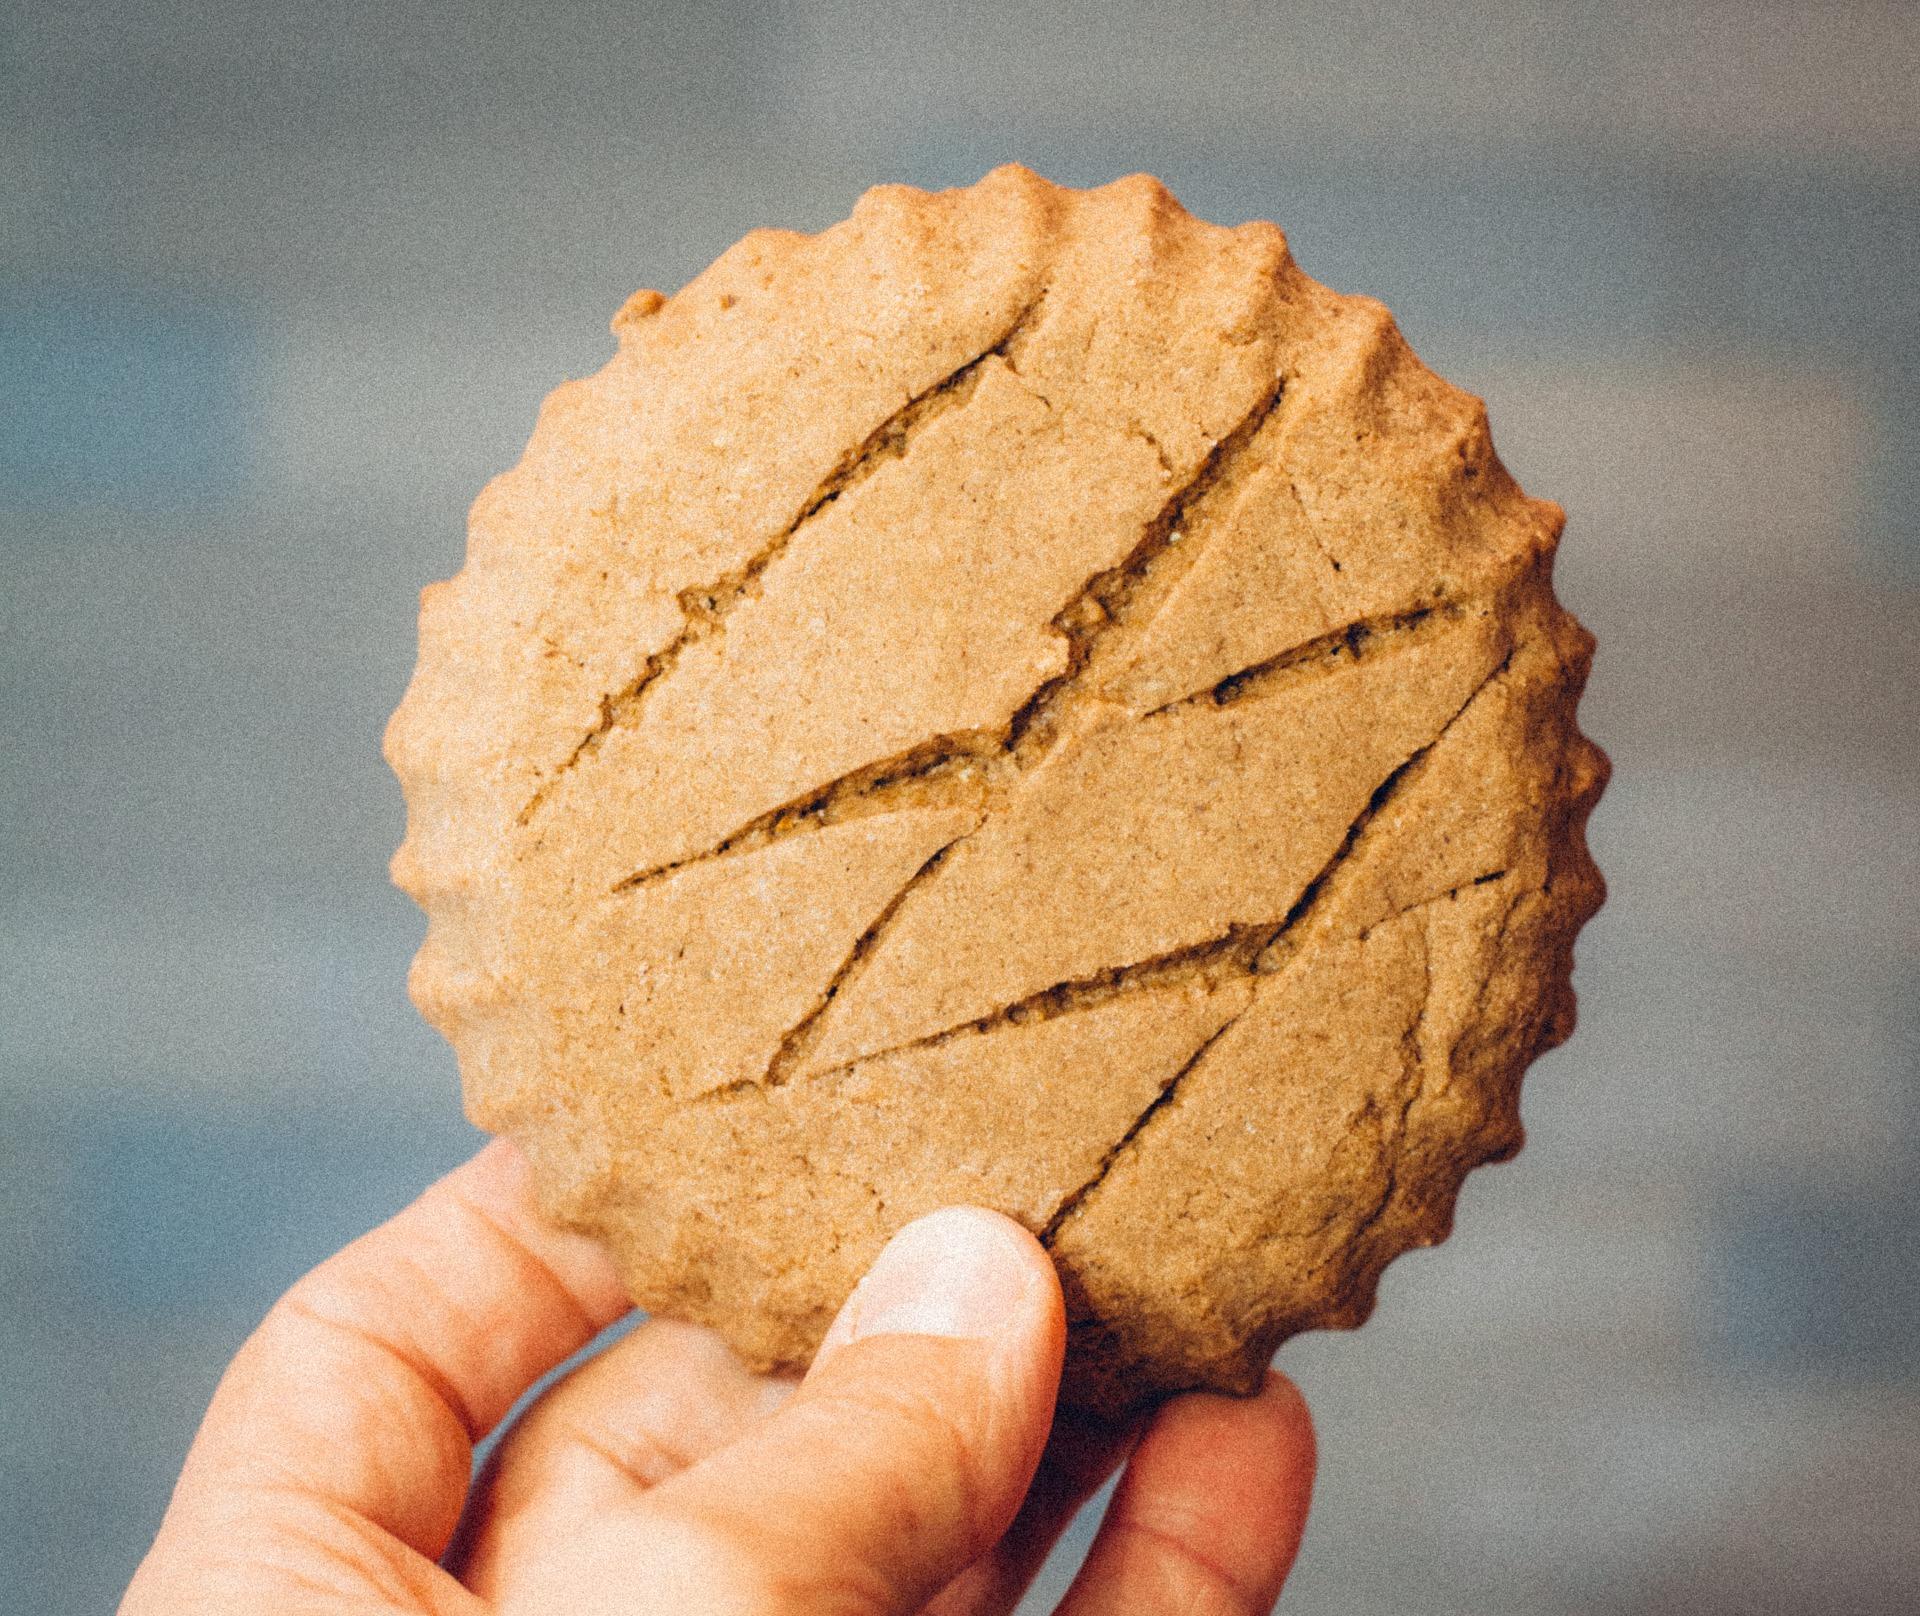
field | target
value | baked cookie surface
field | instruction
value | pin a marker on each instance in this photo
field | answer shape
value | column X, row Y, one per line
column 1023, row 698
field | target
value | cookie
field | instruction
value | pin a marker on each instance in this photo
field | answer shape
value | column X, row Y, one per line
column 1023, row 698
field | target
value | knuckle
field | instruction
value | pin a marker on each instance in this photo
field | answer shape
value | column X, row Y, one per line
column 1178, row 1577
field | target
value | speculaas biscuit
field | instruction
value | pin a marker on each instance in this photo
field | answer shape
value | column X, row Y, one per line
column 1023, row 698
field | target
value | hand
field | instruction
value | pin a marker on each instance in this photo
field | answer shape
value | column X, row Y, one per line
column 905, row 1472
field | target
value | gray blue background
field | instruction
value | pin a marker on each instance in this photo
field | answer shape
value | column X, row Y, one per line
column 281, row 286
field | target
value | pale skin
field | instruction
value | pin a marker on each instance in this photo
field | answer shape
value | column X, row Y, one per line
column 918, row 1465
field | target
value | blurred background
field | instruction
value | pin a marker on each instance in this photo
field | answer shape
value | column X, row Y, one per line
column 282, row 286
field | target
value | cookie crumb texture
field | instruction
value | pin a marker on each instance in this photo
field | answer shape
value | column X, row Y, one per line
column 1022, row 698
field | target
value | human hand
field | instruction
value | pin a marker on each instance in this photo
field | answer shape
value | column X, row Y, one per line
column 911, row 1469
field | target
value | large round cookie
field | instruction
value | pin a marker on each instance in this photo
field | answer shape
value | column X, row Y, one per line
column 1023, row 698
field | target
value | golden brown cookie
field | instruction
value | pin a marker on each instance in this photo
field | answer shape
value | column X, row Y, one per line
column 1022, row 698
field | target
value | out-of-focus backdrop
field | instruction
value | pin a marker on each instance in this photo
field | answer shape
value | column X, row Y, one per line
column 281, row 286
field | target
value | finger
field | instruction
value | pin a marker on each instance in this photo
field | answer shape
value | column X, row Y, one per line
column 900, row 1459
column 366, row 1385
column 907, row 1450
column 1209, row 1512
column 653, row 1403
column 1081, row 1454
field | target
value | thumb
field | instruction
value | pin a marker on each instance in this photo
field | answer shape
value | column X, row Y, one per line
column 906, row 1451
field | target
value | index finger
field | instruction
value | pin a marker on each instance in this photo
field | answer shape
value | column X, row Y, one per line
column 367, row 1384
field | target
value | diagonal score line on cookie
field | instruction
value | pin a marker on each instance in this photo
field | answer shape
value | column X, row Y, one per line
column 1273, row 954
column 1354, row 641
column 1239, row 951
column 704, row 607
column 794, row 1042
column 1071, row 1202
column 971, row 761
column 930, row 774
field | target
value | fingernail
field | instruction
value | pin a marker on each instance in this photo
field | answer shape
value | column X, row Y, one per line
column 960, row 1272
